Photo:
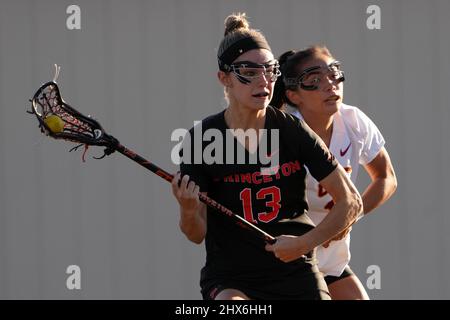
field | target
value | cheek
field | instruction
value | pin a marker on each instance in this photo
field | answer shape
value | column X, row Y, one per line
column 311, row 100
column 341, row 88
column 245, row 90
column 239, row 91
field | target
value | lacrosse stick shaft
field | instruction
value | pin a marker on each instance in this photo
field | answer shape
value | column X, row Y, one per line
column 87, row 131
column 205, row 199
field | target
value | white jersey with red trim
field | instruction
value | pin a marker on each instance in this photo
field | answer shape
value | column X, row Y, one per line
column 355, row 140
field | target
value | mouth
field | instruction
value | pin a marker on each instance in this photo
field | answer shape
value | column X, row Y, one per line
column 260, row 95
column 333, row 98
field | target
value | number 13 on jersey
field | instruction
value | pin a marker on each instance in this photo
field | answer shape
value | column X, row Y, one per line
column 272, row 195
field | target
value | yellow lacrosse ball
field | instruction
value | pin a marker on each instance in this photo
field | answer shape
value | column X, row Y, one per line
column 54, row 123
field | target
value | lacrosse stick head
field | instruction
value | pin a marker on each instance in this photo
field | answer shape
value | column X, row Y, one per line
column 74, row 126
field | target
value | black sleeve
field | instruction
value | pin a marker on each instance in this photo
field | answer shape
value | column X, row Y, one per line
column 316, row 156
column 306, row 145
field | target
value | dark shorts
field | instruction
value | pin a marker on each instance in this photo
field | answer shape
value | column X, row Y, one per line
column 270, row 280
column 316, row 295
column 346, row 273
column 317, row 290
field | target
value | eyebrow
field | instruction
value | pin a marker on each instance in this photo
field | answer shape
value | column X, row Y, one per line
column 314, row 72
column 254, row 63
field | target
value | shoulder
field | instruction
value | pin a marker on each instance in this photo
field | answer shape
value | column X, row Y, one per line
column 363, row 132
column 285, row 121
column 215, row 121
column 352, row 111
column 356, row 120
column 279, row 115
column 293, row 111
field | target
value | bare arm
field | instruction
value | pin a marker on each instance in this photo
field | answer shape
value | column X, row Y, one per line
column 384, row 182
column 348, row 205
column 192, row 211
column 382, row 187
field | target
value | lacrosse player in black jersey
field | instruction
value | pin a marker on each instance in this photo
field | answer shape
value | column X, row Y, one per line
column 266, row 193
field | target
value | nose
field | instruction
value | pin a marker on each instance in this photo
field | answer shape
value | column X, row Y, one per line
column 263, row 79
column 330, row 82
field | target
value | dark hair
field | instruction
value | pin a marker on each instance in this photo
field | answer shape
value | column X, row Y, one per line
column 291, row 65
column 238, row 38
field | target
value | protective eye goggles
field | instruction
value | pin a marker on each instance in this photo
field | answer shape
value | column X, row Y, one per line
column 312, row 78
column 247, row 71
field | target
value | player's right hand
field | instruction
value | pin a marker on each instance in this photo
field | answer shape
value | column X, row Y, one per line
column 186, row 194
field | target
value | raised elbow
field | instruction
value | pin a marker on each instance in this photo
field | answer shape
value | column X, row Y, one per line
column 390, row 181
column 356, row 207
column 393, row 183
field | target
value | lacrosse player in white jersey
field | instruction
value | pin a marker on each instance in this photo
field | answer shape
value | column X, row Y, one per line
column 311, row 88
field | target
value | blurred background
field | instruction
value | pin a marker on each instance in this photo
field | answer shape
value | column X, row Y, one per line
column 145, row 68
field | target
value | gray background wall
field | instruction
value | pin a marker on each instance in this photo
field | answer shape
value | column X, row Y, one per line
column 145, row 68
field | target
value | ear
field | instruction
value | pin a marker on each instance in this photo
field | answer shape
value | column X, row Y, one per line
column 224, row 79
column 293, row 96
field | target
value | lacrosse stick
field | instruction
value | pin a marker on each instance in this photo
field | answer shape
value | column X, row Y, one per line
column 47, row 104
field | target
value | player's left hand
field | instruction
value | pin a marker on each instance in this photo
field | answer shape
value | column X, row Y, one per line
column 286, row 248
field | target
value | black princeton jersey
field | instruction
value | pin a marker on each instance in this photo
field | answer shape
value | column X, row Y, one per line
column 260, row 196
